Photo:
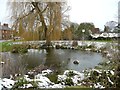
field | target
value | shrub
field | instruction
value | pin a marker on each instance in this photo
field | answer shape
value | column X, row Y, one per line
column 69, row 82
column 20, row 82
column 74, row 43
column 19, row 49
column 57, row 46
column 70, row 74
column 91, row 46
column 53, row 77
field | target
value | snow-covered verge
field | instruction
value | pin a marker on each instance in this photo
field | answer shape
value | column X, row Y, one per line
column 42, row 81
column 39, row 81
column 93, row 78
column 98, row 78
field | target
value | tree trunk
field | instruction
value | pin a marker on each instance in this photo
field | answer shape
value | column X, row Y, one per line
column 48, row 41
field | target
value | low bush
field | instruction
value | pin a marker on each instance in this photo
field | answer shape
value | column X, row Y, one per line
column 71, row 74
column 69, row 82
column 19, row 49
column 74, row 43
column 20, row 82
column 53, row 77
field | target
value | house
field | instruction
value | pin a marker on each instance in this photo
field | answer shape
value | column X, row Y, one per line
column 95, row 31
column 5, row 32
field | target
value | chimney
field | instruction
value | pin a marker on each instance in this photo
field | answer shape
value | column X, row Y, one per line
column 6, row 25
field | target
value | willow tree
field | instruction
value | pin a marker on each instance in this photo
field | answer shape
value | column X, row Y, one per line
column 45, row 18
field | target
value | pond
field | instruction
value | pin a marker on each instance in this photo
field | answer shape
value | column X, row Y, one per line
column 56, row 59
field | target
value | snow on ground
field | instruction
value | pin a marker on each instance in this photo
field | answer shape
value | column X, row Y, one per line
column 98, row 86
column 110, row 80
column 57, row 86
column 27, row 86
column 1, row 85
column 112, row 72
column 74, row 75
column 42, row 80
column 45, row 72
column 81, row 75
column 80, row 43
column 96, row 70
column 88, row 43
column 6, row 83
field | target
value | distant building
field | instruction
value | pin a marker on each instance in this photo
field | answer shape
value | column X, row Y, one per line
column 5, row 32
column 95, row 31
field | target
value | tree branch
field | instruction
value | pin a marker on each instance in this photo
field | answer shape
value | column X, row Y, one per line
column 35, row 4
column 44, row 9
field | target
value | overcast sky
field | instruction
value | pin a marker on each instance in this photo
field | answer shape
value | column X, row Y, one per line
column 3, row 11
column 97, row 11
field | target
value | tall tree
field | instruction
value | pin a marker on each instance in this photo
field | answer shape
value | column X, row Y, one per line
column 86, row 26
column 74, row 28
column 45, row 17
column 106, row 29
column 67, row 34
column 111, row 24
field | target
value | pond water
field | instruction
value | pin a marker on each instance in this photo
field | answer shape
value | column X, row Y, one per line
column 58, row 59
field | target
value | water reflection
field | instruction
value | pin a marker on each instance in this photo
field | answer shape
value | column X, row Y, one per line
column 56, row 59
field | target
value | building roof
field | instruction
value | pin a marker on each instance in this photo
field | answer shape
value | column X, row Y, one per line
column 4, row 27
column 95, row 30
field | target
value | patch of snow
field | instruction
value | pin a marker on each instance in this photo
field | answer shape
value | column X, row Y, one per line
column 75, row 79
column 27, row 86
column 110, row 80
column 75, row 72
column 111, row 71
column 108, row 62
column 30, row 72
column 32, row 50
column 98, row 86
column 7, row 83
column 62, row 77
column 45, row 72
column 57, row 86
column 44, row 82
column 90, row 86
column 2, row 62
column 1, row 85
column 26, row 78
column 87, row 49
column 88, row 74
column 109, row 55
column 96, row 70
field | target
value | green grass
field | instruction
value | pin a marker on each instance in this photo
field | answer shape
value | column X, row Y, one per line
column 7, row 45
column 78, row 88
column 101, row 40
